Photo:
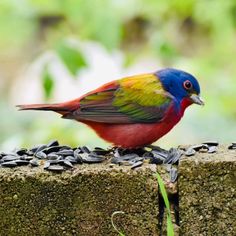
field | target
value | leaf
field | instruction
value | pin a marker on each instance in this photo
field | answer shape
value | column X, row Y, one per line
column 48, row 83
column 170, row 227
column 163, row 191
column 71, row 57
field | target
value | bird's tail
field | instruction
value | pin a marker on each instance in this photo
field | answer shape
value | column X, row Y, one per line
column 61, row 108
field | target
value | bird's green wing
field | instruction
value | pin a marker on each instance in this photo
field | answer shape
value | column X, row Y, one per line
column 137, row 99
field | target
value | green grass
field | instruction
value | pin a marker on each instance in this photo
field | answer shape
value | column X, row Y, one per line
column 170, row 228
column 113, row 224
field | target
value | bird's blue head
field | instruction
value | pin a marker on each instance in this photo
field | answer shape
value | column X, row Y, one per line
column 181, row 85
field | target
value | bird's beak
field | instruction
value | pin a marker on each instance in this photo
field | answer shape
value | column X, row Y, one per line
column 196, row 99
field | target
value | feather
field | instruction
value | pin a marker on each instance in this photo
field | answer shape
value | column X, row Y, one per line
column 137, row 99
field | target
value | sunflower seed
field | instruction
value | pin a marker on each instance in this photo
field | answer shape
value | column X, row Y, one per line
column 101, row 151
column 197, row 147
column 35, row 148
column 46, row 165
column 232, row 146
column 10, row 154
column 68, row 163
column 29, row 153
column 173, row 156
column 125, row 158
column 73, row 160
column 34, row 162
column 85, row 149
column 136, row 164
column 60, row 158
column 157, row 159
column 212, row 149
column 162, row 153
column 159, row 150
column 52, row 156
column 22, row 162
column 40, row 155
column 129, row 157
column 211, row 143
column 147, row 155
column 77, row 156
column 2, row 154
column 21, row 151
column 66, row 152
column 173, row 174
column 116, row 153
column 10, row 158
column 56, row 168
column 41, row 148
column 190, row 152
column 136, row 159
column 53, row 143
column 53, row 161
column 26, row 158
column 87, row 158
column 123, row 152
column 204, row 148
column 77, row 153
column 51, row 149
column 9, row 164
column 65, row 147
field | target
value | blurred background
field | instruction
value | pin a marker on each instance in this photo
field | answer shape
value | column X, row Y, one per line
column 52, row 51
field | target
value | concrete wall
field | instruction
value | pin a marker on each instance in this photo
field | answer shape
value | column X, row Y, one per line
column 81, row 201
column 207, row 194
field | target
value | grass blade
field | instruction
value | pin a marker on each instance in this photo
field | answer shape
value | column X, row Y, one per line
column 170, row 227
column 113, row 224
column 163, row 192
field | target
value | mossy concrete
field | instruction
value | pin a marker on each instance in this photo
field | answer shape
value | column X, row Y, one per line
column 81, row 201
column 207, row 194
column 78, row 202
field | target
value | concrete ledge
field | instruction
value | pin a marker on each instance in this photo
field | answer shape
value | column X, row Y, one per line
column 81, row 201
column 78, row 202
column 207, row 194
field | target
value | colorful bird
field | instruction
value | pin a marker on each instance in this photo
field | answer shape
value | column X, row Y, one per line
column 134, row 111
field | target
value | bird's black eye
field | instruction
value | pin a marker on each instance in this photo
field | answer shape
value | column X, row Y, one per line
column 187, row 85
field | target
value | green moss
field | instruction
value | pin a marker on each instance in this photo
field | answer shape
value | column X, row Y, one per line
column 78, row 202
column 207, row 193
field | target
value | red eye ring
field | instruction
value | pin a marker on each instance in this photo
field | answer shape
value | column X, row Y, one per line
column 187, row 85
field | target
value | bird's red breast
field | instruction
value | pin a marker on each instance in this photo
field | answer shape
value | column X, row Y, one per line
column 134, row 135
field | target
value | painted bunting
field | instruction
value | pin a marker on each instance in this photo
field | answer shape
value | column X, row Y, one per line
column 133, row 111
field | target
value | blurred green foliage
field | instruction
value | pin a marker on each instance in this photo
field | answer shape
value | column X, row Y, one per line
column 198, row 36
column 71, row 57
column 48, row 83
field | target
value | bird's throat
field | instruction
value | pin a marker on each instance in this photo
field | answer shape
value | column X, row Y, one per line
column 186, row 102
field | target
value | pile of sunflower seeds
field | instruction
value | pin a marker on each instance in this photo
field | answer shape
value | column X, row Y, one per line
column 52, row 156
column 209, row 147
column 57, row 158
